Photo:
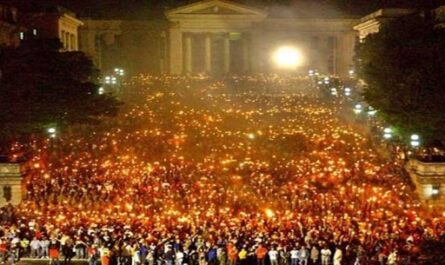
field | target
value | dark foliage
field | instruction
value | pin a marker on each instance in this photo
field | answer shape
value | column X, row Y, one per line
column 41, row 86
column 404, row 68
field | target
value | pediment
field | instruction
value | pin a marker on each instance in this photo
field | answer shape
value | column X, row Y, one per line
column 214, row 7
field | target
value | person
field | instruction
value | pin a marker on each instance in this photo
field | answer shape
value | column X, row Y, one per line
column 179, row 257
column 261, row 252
column 294, row 256
column 338, row 256
column 143, row 252
column 169, row 256
column 3, row 249
column 233, row 255
column 54, row 252
column 222, row 256
column 35, row 248
column 12, row 255
column 44, row 246
column 392, row 258
column 80, row 247
column 314, row 254
column 303, row 255
column 67, row 250
column 284, row 256
column 242, row 256
column 24, row 247
column 105, row 254
column 273, row 256
column 135, row 258
column 150, row 257
column 325, row 255
column 93, row 254
column 381, row 257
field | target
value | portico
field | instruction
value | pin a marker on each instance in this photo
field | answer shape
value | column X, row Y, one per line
column 212, row 37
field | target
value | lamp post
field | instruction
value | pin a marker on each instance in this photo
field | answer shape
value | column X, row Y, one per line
column 119, row 71
column 415, row 140
column 52, row 131
column 358, row 108
column 387, row 133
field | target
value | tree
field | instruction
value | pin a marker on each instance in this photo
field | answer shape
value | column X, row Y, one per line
column 404, row 68
column 40, row 86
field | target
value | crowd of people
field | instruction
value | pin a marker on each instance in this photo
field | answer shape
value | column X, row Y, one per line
column 248, row 170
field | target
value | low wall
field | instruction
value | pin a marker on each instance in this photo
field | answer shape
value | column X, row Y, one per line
column 429, row 179
column 11, row 175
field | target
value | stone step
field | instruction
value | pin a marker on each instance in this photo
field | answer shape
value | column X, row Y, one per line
column 30, row 261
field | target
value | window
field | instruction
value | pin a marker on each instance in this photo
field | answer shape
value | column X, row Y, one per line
column 34, row 32
column 22, row 35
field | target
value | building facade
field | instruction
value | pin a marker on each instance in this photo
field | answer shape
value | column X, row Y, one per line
column 226, row 37
column 218, row 37
column 372, row 23
column 55, row 23
column 9, row 27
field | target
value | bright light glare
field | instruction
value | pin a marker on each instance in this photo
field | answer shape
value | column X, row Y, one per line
column 269, row 213
column 288, row 57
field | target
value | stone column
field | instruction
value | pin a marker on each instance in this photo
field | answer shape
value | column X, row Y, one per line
column 175, row 48
column 246, row 53
column 226, row 53
column 208, row 53
column 188, row 54
column 345, row 54
column 257, row 51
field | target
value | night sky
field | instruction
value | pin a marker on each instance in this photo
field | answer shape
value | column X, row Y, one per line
column 146, row 9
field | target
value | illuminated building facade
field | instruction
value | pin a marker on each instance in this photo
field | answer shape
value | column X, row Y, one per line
column 226, row 37
column 219, row 37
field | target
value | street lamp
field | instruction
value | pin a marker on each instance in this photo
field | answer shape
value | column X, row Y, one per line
column 415, row 140
column 326, row 80
column 371, row 111
column 311, row 72
column 110, row 80
column 119, row 71
column 351, row 72
column 358, row 108
column 52, row 132
column 288, row 57
column 387, row 133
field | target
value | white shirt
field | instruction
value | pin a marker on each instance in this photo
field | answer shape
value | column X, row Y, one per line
column 273, row 255
column 294, row 254
column 326, row 252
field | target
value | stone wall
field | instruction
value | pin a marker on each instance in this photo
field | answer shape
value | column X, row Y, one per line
column 11, row 190
column 429, row 179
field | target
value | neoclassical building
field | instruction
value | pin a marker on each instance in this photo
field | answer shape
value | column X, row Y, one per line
column 225, row 37
column 219, row 37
